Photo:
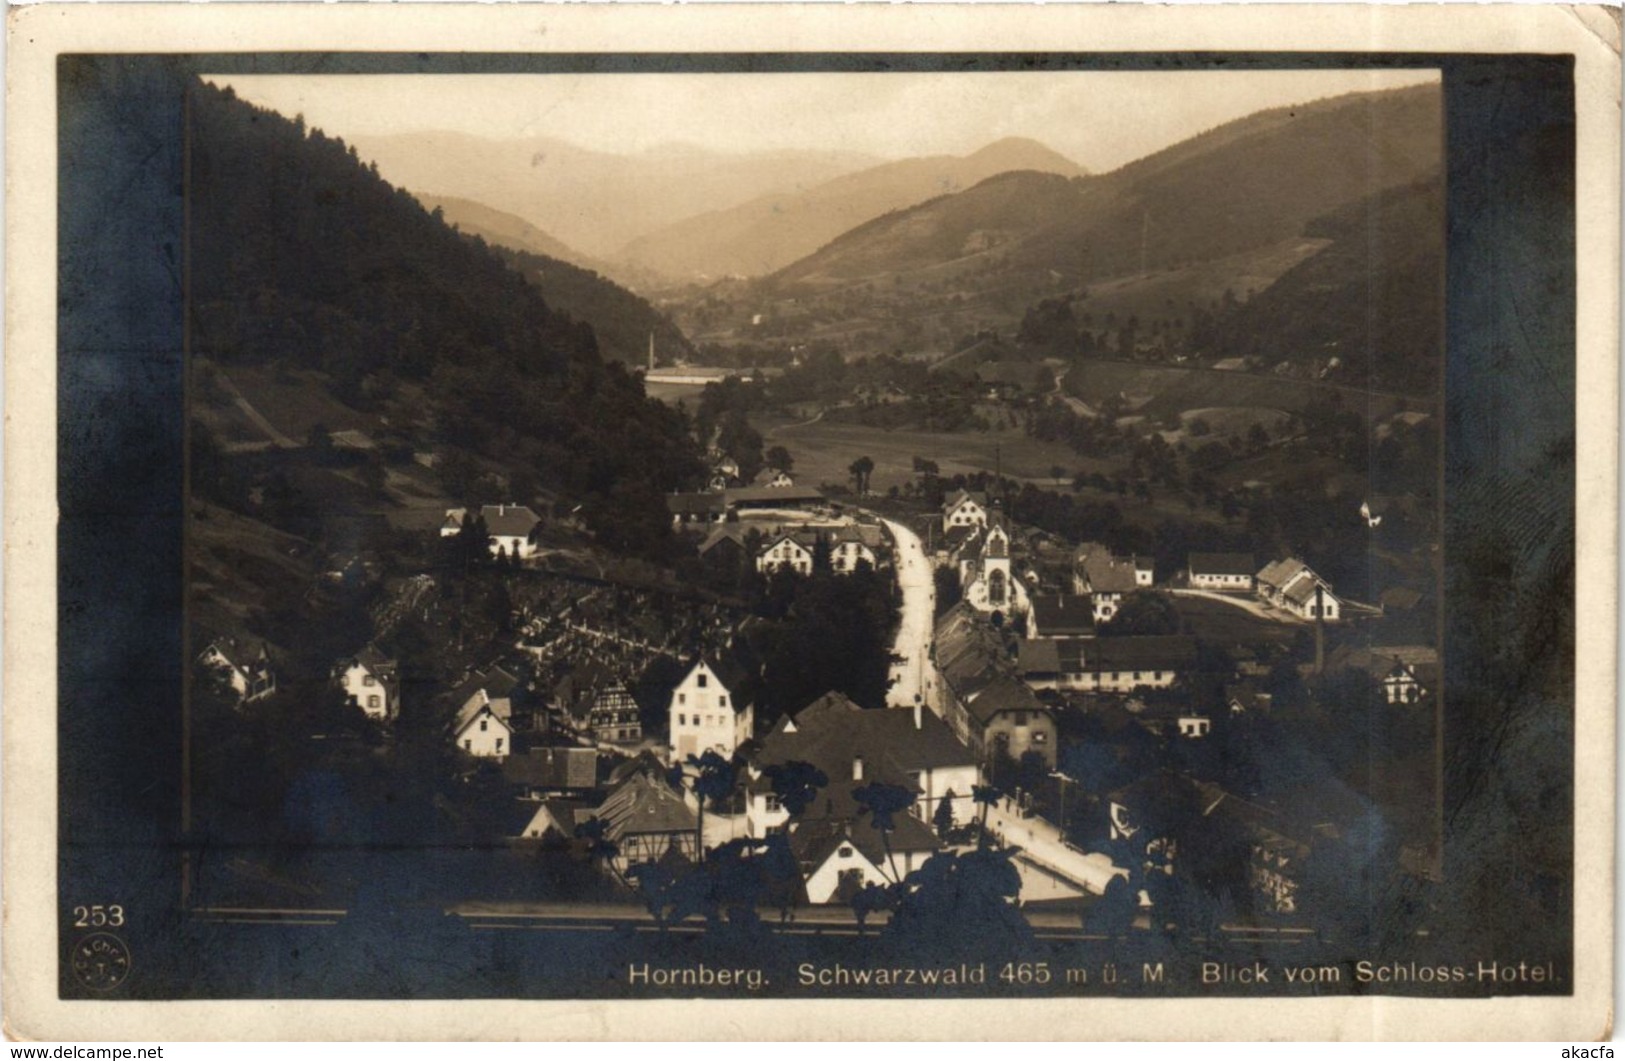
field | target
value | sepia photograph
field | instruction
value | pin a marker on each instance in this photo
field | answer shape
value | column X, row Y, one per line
column 816, row 525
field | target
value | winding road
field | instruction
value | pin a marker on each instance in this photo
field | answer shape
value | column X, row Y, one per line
column 910, row 676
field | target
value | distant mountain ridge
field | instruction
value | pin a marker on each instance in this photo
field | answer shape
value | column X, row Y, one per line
column 770, row 232
column 593, row 201
column 1247, row 184
column 502, row 229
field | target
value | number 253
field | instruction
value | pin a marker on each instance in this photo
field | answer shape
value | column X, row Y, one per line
column 98, row 916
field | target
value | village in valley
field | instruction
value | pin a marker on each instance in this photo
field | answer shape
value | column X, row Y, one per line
column 1111, row 610
column 1085, row 712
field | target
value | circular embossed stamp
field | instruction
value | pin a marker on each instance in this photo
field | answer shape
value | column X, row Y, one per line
column 100, row 961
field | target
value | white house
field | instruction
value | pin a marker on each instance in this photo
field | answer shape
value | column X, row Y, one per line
column 1105, row 578
column 246, row 670
column 1406, row 674
column 838, row 857
column 964, row 509
column 1224, row 572
column 1291, row 586
column 853, row 544
column 372, row 681
column 509, row 528
column 709, row 712
column 1144, row 571
column 484, row 726
column 781, row 480
column 787, row 551
column 1107, row 664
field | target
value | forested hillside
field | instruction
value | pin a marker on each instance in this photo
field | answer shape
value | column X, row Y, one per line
column 622, row 321
column 1372, row 298
column 304, row 258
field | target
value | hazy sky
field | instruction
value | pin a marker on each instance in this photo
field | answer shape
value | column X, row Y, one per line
column 1101, row 120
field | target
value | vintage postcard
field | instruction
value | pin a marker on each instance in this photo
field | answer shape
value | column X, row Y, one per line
column 692, row 522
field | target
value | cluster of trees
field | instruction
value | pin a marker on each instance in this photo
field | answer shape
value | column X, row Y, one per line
column 824, row 632
column 955, row 902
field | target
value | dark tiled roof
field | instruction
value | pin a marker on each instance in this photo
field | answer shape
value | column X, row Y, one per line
column 1278, row 573
column 773, row 495
column 1003, row 694
column 1303, row 590
column 1070, row 655
column 558, row 768
column 1063, row 614
column 686, row 504
column 953, row 500
column 643, row 804
column 815, row 840
column 832, row 731
column 509, row 521
column 1104, row 572
column 1222, row 564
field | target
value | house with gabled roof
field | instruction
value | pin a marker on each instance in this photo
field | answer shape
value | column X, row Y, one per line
column 911, row 748
column 1223, row 572
column 1107, row 664
column 554, row 819
column 246, row 669
column 1061, row 615
column 483, row 727
column 1104, row 578
column 598, row 705
column 980, row 694
column 510, row 528
column 372, row 682
column 711, row 709
column 790, row 550
column 647, row 820
column 964, row 508
column 856, row 543
column 1405, row 673
column 710, row 507
column 550, row 771
column 1293, row 587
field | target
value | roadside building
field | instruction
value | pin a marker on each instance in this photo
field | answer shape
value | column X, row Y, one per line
column 710, row 710
column 1104, row 578
column 1107, row 664
column 1222, row 572
column 1291, row 586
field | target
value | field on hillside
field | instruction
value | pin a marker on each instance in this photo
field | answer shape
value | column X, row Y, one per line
column 1167, row 293
column 232, row 558
column 295, row 402
column 823, row 451
column 1159, row 390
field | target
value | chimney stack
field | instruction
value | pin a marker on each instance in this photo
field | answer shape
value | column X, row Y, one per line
column 857, row 768
column 1320, row 629
column 917, row 719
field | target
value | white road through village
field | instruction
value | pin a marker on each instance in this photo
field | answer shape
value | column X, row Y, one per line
column 909, row 677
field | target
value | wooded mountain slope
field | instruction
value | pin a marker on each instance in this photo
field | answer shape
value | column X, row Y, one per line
column 301, row 254
column 767, row 233
column 1248, row 184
